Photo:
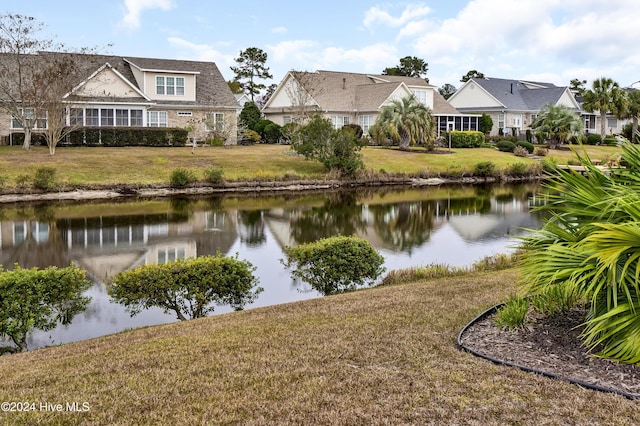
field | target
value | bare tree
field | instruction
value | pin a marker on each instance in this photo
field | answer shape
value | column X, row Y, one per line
column 301, row 90
column 19, row 88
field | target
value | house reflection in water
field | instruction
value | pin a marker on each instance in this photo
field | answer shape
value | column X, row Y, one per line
column 107, row 245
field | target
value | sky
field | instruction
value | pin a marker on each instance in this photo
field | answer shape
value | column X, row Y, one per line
column 539, row 40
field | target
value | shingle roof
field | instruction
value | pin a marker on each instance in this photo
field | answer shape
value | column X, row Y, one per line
column 211, row 88
column 345, row 91
column 518, row 94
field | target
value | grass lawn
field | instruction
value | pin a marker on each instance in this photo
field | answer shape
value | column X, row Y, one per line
column 147, row 166
column 385, row 355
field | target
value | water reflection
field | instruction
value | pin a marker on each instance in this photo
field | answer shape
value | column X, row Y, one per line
column 454, row 225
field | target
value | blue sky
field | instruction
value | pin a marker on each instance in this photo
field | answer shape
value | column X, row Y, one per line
column 543, row 40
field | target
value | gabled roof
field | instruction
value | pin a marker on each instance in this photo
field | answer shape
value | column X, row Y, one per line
column 346, row 91
column 516, row 95
column 211, row 88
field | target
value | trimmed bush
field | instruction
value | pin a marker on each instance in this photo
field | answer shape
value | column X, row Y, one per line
column 517, row 169
column 593, row 139
column 38, row 299
column 335, row 264
column 540, row 151
column 189, row 287
column 466, row 139
column 506, row 146
column 127, row 136
column 182, row 177
column 529, row 146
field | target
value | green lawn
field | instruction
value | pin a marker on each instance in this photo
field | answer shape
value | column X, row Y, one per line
column 147, row 166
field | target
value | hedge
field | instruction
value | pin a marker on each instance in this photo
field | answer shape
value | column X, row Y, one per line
column 466, row 139
column 127, row 136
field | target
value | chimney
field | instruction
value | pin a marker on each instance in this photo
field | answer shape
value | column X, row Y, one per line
column 344, row 83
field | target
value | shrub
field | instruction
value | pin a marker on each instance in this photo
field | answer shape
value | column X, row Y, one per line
column 3, row 180
column 529, row 146
column 39, row 299
column 540, row 151
column 517, row 169
column 593, row 139
column 23, row 180
column 484, row 169
column 506, row 146
column 181, row 177
column 589, row 247
column 466, row 139
column 189, row 287
column 610, row 141
column 513, row 313
column 44, row 178
column 214, row 175
column 520, row 151
column 335, row 264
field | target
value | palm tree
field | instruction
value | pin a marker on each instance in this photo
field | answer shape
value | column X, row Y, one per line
column 633, row 111
column 558, row 123
column 590, row 248
column 405, row 121
column 605, row 96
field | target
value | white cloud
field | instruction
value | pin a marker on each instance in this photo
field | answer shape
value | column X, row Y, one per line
column 307, row 55
column 202, row 52
column 412, row 12
column 135, row 7
column 279, row 30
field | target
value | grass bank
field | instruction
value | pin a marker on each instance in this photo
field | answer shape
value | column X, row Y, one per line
column 77, row 167
column 385, row 355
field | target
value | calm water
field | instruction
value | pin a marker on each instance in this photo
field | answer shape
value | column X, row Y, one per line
column 455, row 225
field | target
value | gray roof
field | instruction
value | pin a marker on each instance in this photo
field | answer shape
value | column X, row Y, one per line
column 520, row 95
column 211, row 88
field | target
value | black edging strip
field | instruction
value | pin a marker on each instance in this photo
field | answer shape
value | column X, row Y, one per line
column 529, row 369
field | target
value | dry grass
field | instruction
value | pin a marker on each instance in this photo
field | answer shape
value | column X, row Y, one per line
column 379, row 356
column 147, row 166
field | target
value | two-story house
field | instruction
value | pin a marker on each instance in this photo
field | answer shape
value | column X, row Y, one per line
column 353, row 98
column 144, row 92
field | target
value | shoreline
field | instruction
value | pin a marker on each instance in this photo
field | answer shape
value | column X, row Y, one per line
column 132, row 191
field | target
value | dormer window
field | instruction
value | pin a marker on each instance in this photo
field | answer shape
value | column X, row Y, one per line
column 172, row 86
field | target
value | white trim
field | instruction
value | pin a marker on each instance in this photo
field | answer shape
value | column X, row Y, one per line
column 99, row 70
column 160, row 70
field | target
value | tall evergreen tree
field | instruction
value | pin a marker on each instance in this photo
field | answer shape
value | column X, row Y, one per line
column 251, row 66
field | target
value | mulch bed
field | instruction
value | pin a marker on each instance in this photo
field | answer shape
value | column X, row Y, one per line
column 552, row 345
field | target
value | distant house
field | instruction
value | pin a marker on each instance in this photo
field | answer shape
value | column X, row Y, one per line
column 144, row 92
column 353, row 98
column 511, row 104
column 242, row 98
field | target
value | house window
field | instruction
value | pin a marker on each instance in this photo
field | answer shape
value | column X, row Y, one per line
column 173, row 86
column 286, row 119
column 421, row 96
column 612, row 122
column 136, row 117
column 365, row 121
column 122, row 117
column 339, row 120
column 106, row 117
column 29, row 114
column 214, row 121
column 93, row 116
column 157, row 119
column 501, row 121
column 76, row 117
column 185, row 113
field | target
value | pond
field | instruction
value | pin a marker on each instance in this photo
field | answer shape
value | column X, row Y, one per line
column 453, row 225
